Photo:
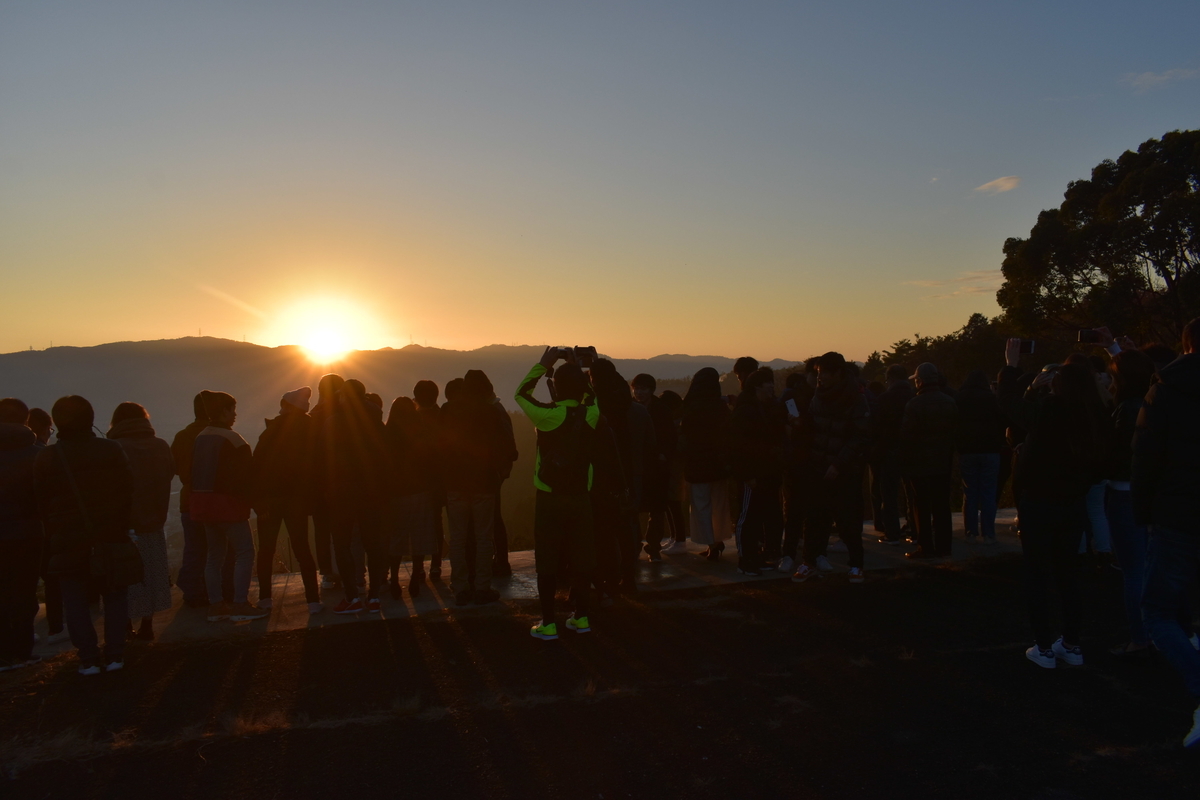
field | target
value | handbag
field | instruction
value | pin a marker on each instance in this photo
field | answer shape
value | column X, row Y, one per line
column 111, row 564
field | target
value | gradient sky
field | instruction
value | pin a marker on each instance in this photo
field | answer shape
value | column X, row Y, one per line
column 702, row 177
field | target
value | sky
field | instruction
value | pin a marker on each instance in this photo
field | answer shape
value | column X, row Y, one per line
column 771, row 178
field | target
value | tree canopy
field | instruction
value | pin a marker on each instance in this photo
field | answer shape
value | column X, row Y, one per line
column 1123, row 249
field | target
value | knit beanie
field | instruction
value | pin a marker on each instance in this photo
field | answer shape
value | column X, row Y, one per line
column 298, row 398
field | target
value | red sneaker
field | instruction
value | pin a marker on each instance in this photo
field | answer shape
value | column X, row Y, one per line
column 374, row 606
column 349, row 607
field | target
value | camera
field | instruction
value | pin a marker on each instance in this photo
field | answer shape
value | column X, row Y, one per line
column 1027, row 347
column 586, row 356
column 1090, row 337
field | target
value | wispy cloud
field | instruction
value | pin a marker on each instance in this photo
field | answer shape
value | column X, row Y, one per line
column 1145, row 81
column 1000, row 185
column 233, row 301
column 976, row 282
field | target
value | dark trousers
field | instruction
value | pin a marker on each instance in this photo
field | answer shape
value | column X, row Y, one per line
column 628, row 534
column 79, row 620
column 366, row 518
column 563, row 533
column 191, row 571
column 887, row 470
column 760, row 524
column 54, row 605
column 1050, row 535
column 1172, row 567
column 797, row 495
column 837, row 502
column 272, row 514
column 935, row 526
column 323, row 525
column 607, row 525
column 499, row 534
column 20, row 562
column 876, row 485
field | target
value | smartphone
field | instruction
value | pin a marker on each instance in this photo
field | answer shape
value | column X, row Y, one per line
column 1090, row 337
column 1027, row 347
column 791, row 407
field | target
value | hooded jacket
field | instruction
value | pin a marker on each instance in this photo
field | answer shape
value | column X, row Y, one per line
column 18, row 509
column 283, row 457
column 182, row 449
column 152, row 468
column 100, row 512
column 1165, row 479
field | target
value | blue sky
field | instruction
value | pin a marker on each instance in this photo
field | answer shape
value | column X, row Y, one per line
column 772, row 178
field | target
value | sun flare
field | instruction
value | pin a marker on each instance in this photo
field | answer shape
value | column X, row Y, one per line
column 328, row 328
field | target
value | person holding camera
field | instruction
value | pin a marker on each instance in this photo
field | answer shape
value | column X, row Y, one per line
column 562, row 525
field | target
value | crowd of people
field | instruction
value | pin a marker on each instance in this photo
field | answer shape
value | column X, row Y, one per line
column 1103, row 452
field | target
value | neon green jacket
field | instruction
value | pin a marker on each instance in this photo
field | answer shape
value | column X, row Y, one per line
column 548, row 416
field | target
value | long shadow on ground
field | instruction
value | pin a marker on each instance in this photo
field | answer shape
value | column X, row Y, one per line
column 911, row 685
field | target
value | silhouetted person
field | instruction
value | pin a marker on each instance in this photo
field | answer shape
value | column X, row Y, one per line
column 1060, row 459
column 657, row 473
column 758, row 463
column 195, row 545
column 41, row 424
column 153, row 469
column 677, row 493
column 562, row 527
column 20, row 536
column 222, row 491
column 704, row 440
column 414, row 455
column 927, row 437
column 84, row 490
column 1166, row 484
column 886, row 446
column 284, row 478
column 980, row 442
column 322, row 515
column 840, row 437
column 425, row 394
column 476, row 381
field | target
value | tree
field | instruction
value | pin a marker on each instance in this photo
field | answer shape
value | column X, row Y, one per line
column 1122, row 250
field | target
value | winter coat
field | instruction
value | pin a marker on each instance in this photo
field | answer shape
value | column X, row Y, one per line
column 1120, row 454
column 1166, row 450
column 1055, row 463
column 284, row 458
column 354, row 459
column 508, row 453
column 182, row 447
column 18, row 508
column 473, row 446
column 981, row 423
column 704, row 440
column 889, row 417
column 840, row 423
column 222, row 477
column 100, row 512
column 927, row 433
column 758, row 438
column 153, row 469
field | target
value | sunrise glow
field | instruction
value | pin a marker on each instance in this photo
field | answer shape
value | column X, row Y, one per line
column 327, row 328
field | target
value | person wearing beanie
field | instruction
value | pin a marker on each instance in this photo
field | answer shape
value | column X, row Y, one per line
column 283, row 484
column 195, row 546
column 222, row 474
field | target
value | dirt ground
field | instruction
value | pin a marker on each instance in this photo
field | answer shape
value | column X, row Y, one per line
column 911, row 685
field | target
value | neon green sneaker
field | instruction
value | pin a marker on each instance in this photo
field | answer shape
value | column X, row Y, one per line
column 578, row 625
column 546, row 632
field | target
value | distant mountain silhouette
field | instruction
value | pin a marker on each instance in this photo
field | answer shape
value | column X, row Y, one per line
column 164, row 375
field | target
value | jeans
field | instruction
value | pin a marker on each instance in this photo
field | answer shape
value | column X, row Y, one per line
column 79, row 620
column 1050, row 533
column 709, row 517
column 1172, row 564
column 471, row 514
column 1129, row 542
column 20, row 562
column 272, row 514
column 1097, row 521
column 835, row 502
column 934, row 524
column 191, row 571
column 980, row 474
column 221, row 537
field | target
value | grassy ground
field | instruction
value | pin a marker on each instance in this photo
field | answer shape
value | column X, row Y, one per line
column 912, row 685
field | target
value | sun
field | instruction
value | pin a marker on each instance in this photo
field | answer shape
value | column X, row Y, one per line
column 328, row 328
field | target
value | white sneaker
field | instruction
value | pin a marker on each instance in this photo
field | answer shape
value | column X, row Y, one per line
column 803, row 573
column 823, row 564
column 1043, row 658
column 55, row 638
column 787, row 565
column 675, row 548
column 1074, row 656
column 313, row 608
column 90, row 669
column 1195, row 640
column 1193, row 738
column 856, row 575
column 328, row 583
column 836, row 547
column 265, row 602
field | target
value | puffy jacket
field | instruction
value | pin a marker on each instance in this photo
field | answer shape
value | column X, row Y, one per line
column 18, row 508
column 840, row 423
column 152, row 467
column 100, row 512
column 927, row 433
column 222, row 476
column 1166, row 450
column 283, row 457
